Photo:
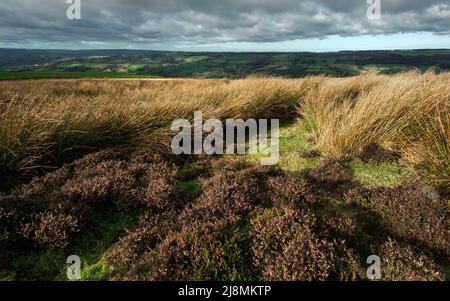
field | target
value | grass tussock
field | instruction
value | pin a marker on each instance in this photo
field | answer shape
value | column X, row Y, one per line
column 428, row 151
column 46, row 122
column 407, row 113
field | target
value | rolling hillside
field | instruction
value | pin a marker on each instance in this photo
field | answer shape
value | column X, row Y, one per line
column 216, row 64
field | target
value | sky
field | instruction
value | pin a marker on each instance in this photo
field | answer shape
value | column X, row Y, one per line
column 226, row 25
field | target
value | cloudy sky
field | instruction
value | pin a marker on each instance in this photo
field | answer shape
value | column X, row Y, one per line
column 237, row 25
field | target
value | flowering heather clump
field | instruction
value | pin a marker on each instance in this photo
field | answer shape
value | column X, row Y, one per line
column 98, row 184
column 161, row 192
column 204, row 251
column 150, row 231
column 358, row 196
column 97, row 157
column 283, row 237
column 39, row 189
column 9, row 220
column 272, row 230
column 286, row 247
column 306, row 257
column 406, row 212
column 211, row 239
column 230, row 193
column 52, row 229
column 403, row 263
column 333, row 226
column 291, row 191
column 58, row 204
column 233, row 164
column 129, row 186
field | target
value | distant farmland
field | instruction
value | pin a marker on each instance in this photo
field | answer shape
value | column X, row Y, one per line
column 120, row 63
column 14, row 75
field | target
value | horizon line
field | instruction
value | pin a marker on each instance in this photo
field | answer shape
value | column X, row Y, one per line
column 217, row 51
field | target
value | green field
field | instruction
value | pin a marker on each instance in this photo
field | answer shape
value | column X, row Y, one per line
column 14, row 75
column 132, row 63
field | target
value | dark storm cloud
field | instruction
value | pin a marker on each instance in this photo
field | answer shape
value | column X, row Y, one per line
column 167, row 22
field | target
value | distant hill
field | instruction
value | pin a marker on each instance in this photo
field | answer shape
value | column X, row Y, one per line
column 219, row 64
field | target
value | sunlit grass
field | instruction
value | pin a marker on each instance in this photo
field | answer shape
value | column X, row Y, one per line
column 381, row 174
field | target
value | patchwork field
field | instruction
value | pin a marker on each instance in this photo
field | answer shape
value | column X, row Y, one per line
column 24, row 63
column 86, row 169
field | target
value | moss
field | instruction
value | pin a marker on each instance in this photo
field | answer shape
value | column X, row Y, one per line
column 190, row 188
column 383, row 174
column 90, row 246
column 362, row 203
column 294, row 142
column 37, row 265
column 7, row 276
column 96, row 272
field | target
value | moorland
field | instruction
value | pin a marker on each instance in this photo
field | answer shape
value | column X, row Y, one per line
column 86, row 169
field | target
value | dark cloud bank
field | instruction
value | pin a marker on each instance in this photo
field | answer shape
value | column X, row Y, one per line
column 142, row 23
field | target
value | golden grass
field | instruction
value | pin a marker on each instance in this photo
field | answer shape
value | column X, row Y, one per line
column 396, row 112
column 428, row 153
column 43, row 122
column 47, row 122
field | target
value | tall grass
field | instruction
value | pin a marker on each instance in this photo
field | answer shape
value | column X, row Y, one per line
column 45, row 122
column 397, row 112
column 428, row 153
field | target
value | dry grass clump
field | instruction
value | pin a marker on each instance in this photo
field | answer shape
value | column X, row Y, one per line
column 403, row 263
column 264, row 97
column 326, row 106
column 427, row 151
column 347, row 115
column 45, row 122
column 407, row 113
